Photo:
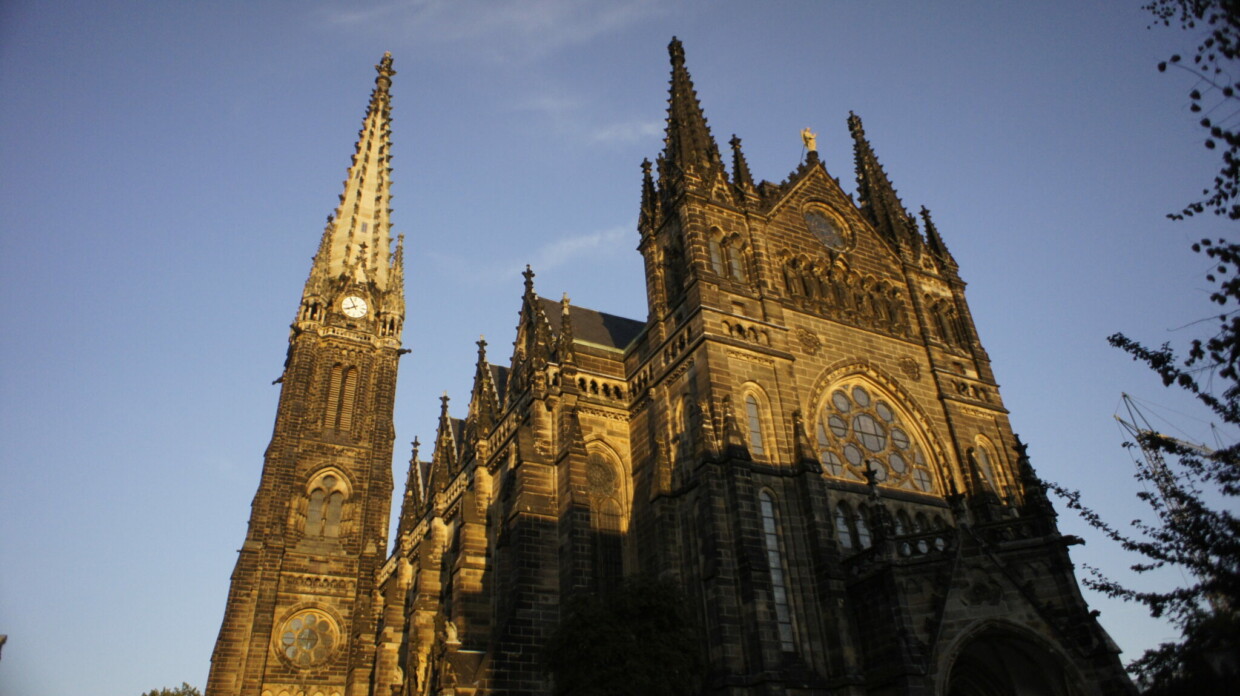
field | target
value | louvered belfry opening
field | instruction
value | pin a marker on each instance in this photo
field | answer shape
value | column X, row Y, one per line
column 341, row 396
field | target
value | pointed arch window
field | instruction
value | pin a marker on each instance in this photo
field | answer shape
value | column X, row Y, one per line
column 727, row 259
column 606, row 497
column 681, row 436
column 328, row 494
column 860, row 430
column 986, row 464
column 716, row 256
column 775, row 563
column 864, row 539
column 753, row 416
column 844, row 527
column 341, row 397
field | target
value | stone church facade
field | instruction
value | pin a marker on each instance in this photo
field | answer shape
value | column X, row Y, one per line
column 804, row 434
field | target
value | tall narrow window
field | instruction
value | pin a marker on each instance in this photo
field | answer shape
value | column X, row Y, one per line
column 755, row 425
column 843, row 527
column 863, row 530
column 605, row 491
column 341, row 392
column 680, row 425
column 775, row 562
column 716, row 256
column 985, row 469
column 736, row 264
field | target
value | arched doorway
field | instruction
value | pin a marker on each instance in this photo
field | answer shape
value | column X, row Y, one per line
column 999, row 663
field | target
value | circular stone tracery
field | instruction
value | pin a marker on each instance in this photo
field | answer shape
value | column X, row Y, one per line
column 859, row 432
column 308, row 638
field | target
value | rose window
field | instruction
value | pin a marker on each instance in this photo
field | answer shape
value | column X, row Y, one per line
column 859, row 432
column 308, row 638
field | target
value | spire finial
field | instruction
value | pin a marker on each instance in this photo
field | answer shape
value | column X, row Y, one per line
column 384, row 68
column 482, row 348
column 528, row 274
column 676, row 50
column 416, row 446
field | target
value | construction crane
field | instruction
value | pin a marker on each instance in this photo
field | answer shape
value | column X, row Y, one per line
column 1141, row 431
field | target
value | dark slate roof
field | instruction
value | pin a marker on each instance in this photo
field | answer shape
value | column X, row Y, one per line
column 499, row 376
column 458, row 430
column 595, row 327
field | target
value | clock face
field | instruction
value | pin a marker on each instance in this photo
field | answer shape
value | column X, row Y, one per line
column 354, row 306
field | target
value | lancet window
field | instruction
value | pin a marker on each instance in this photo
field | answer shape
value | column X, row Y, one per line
column 986, row 464
column 852, row 530
column 775, row 562
column 606, row 495
column 859, row 432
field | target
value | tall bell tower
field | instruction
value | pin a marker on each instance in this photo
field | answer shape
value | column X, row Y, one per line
column 301, row 608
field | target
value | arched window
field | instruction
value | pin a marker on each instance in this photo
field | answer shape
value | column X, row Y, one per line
column 860, row 430
column 726, row 256
column 863, row 529
column 775, row 562
column 736, row 264
column 843, row 527
column 903, row 525
column 341, row 394
column 681, row 436
column 987, row 464
column 327, row 496
column 606, row 495
column 753, row 416
column 716, row 256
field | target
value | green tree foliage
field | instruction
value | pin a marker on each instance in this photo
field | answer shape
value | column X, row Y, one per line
column 1194, row 527
column 183, row 690
column 638, row 639
column 1215, row 93
column 1192, row 491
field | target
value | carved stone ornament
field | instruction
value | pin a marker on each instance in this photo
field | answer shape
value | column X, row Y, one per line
column 910, row 368
column 809, row 341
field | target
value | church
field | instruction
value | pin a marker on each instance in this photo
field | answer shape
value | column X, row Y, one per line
column 804, row 435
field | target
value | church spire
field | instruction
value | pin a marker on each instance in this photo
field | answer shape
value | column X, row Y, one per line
column 357, row 240
column 879, row 201
column 688, row 144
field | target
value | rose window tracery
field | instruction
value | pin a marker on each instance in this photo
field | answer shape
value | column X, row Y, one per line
column 308, row 638
column 859, row 432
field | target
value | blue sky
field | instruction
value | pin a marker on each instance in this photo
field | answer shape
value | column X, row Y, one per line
column 165, row 170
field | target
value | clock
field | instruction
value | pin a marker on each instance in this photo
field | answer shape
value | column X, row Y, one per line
column 354, row 306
